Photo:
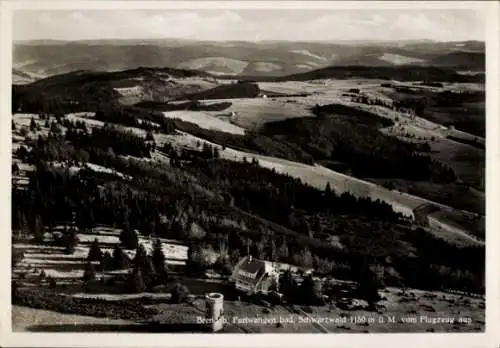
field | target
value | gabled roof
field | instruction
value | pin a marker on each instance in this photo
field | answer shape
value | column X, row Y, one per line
column 249, row 271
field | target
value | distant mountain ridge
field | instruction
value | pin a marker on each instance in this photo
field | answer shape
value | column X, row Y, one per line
column 52, row 57
column 461, row 60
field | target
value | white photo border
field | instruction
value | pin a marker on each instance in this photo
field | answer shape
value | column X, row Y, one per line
column 490, row 338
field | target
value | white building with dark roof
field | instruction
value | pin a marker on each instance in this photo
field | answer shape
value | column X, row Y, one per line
column 254, row 276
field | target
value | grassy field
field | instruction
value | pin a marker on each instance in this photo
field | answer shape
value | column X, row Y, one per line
column 160, row 89
column 68, row 268
column 459, row 196
column 160, row 138
column 467, row 161
column 30, row 319
column 205, row 120
column 413, row 311
column 317, row 87
column 465, row 112
column 252, row 113
column 217, row 64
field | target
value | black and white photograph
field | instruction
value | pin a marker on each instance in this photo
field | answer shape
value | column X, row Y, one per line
column 277, row 170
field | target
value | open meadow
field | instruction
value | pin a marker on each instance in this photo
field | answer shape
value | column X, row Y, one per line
column 252, row 113
column 25, row 319
column 68, row 268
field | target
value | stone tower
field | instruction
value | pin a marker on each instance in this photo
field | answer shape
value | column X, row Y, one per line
column 214, row 303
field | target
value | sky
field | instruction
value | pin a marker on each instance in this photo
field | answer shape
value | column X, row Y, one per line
column 250, row 24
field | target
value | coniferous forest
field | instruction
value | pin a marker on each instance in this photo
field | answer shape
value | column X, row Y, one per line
column 275, row 216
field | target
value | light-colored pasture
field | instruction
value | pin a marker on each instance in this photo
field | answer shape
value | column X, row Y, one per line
column 93, row 123
column 25, row 318
column 252, row 113
column 309, row 54
column 172, row 251
column 99, row 168
column 121, row 297
column 467, row 161
column 89, row 238
column 266, row 66
column 133, row 95
column 325, row 87
column 228, row 65
column 397, row 59
column 160, row 138
column 57, row 264
column 205, row 120
column 23, row 119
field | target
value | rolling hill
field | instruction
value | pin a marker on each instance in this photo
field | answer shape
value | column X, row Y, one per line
column 86, row 90
column 20, row 77
column 475, row 61
column 47, row 58
column 83, row 90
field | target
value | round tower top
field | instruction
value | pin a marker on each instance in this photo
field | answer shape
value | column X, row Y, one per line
column 214, row 296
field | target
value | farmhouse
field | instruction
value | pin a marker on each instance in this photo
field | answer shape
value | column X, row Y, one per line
column 259, row 276
column 254, row 276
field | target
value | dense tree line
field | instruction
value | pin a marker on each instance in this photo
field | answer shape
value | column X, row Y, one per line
column 242, row 89
column 132, row 117
column 48, row 300
column 308, row 292
column 430, row 84
column 193, row 105
column 450, row 98
column 366, row 151
column 168, row 204
column 110, row 137
column 270, row 194
column 470, row 142
column 398, row 73
column 421, row 101
column 356, row 115
column 461, row 109
column 36, row 98
column 253, row 142
column 225, row 210
column 368, row 100
column 416, row 105
column 146, row 270
column 54, row 195
column 78, row 145
column 296, row 140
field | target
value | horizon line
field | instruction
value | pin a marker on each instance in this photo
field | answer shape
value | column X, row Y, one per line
column 250, row 41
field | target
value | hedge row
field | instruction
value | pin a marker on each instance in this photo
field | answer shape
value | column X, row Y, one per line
column 122, row 309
